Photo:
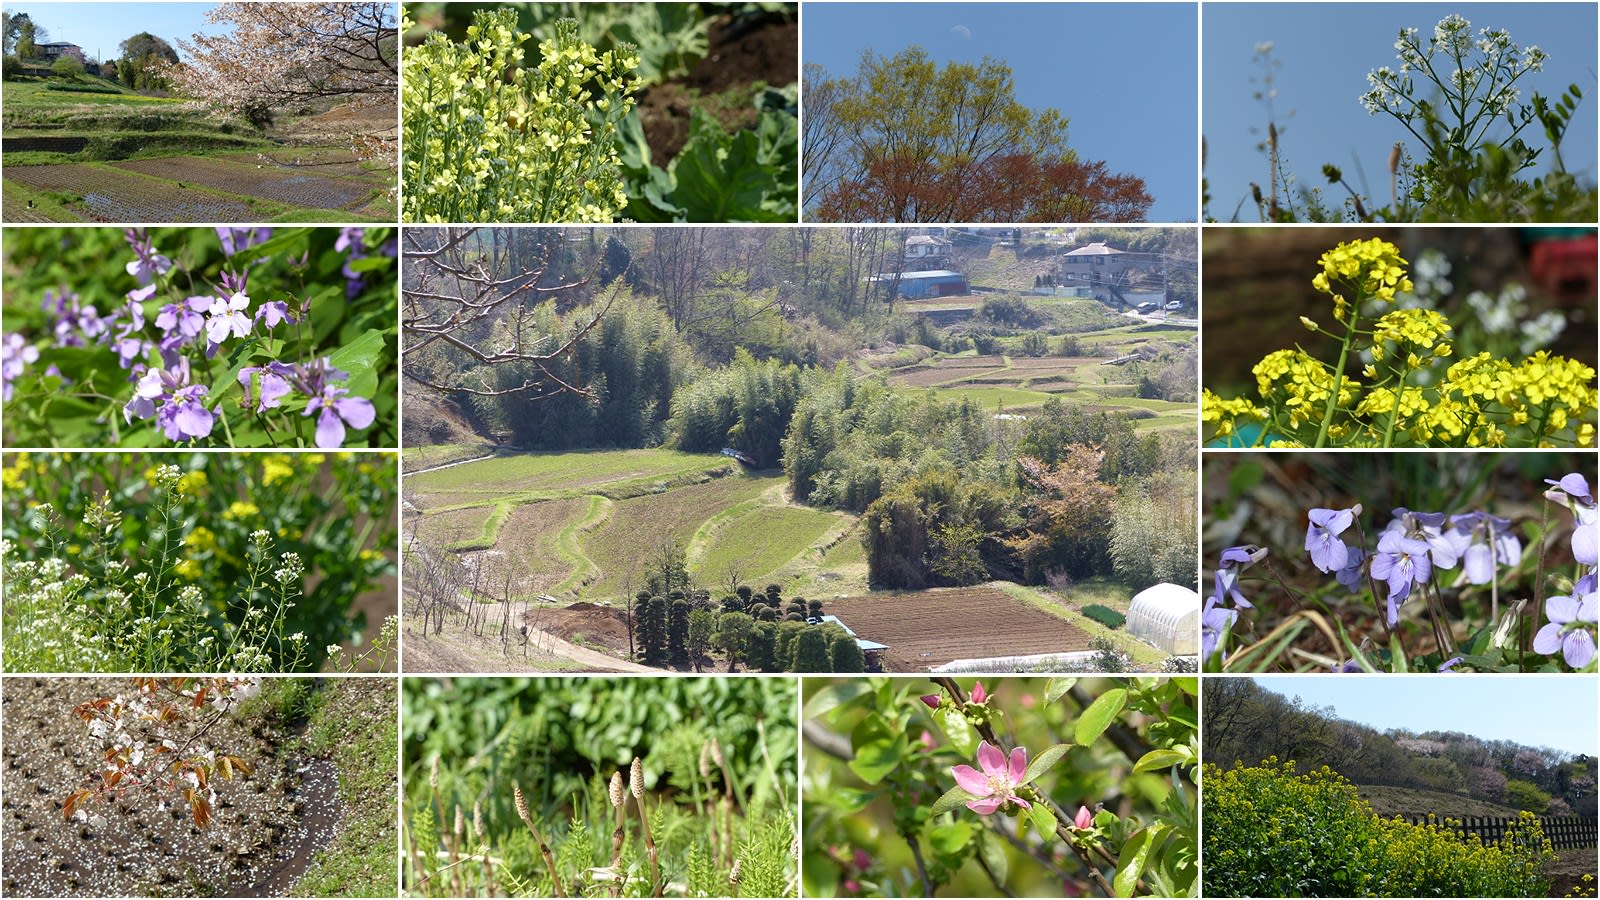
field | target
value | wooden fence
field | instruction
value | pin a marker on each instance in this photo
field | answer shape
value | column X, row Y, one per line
column 1564, row 832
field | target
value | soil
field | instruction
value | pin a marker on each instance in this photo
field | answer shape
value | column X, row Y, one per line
column 740, row 56
column 264, row 830
column 929, row 628
column 547, row 648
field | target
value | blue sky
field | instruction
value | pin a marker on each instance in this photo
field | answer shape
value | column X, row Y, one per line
column 1326, row 51
column 1539, row 711
column 100, row 27
column 1123, row 73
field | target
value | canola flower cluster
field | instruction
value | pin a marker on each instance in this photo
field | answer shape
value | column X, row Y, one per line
column 1402, row 397
column 1272, row 831
column 487, row 140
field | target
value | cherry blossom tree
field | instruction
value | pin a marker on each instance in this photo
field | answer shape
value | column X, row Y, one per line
column 281, row 54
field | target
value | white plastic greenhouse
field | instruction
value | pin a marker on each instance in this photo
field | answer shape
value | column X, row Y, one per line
column 1168, row 616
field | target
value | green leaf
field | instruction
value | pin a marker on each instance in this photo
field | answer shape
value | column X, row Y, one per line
column 1039, row 764
column 957, row 730
column 1190, row 686
column 992, row 850
column 1057, row 688
column 1158, row 759
column 954, row 798
column 952, row 837
column 832, row 696
column 877, row 749
column 1131, row 862
column 1044, row 821
column 1098, row 717
column 360, row 356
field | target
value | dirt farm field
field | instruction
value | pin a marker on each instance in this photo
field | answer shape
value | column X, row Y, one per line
column 930, row 628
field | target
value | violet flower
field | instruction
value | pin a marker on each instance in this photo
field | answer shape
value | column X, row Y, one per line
column 1567, row 629
column 1572, row 491
column 1328, row 552
column 1401, row 561
column 237, row 239
column 996, row 786
column 275, row 312
column 1488, row 541
column 16, row 354
column 337, row 411
column 273, row 379
column 149, row 264
column 225, row 316
column 179, row 407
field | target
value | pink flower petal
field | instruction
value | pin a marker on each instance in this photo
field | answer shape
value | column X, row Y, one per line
column 978, row 693
column 1020, row 802
column 991, row 759
column 968, row 779
column 1019, row 764
column 985, row 806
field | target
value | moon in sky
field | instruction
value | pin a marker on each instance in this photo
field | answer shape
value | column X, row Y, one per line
column 961, row 30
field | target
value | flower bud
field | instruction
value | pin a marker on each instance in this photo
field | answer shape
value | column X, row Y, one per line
column 932, row 700
column 616, row 789
column 1309, row 323
column 979, row 695
column 1083, row 819
column 636, row 778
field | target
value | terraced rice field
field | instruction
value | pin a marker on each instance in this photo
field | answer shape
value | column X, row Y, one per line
column 114, row 195
column 287, row 185
column 584, row 525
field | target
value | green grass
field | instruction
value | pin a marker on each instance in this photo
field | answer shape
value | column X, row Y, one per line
column 488, row 533
column 417, row 458
column 352, row 721
column 993, row 397
column 760, row 540
column 569, row 545
column 552, row 473
column 638, row 526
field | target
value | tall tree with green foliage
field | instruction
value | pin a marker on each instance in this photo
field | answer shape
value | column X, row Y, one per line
column 142, row 58
column 909, row 140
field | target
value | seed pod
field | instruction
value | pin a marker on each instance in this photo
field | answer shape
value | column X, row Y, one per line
column 616, row 790
column 636, row 778
column 716, row 754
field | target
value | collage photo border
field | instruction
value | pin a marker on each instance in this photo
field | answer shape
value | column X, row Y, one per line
column 878, row 763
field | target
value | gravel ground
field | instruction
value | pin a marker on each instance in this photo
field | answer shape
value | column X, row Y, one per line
column 264, row 830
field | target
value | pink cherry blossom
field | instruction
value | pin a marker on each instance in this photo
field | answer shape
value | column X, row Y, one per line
column 996, row 786
column 1083, row 819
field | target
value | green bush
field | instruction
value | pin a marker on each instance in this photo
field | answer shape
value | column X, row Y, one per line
column 1105, row 615
column 1273, row 832
column 1526, row 796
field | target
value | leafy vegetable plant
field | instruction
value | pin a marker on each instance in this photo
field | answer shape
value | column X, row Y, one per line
column 243, row 337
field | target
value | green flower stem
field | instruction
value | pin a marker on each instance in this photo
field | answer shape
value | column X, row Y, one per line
column 1338, row 375
column 1394, row 415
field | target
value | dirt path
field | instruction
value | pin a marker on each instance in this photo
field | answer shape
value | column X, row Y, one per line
column 458, row 651
column 459, row 462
